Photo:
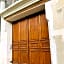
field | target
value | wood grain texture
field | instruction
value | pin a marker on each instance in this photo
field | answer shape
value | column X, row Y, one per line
column 31, row 40
column 15, row 44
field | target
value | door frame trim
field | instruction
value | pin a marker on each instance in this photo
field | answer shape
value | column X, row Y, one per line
column 8, row 29
column 22, row 9
column 15, row 7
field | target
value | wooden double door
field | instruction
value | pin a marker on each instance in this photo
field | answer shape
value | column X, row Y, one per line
column 31, row 40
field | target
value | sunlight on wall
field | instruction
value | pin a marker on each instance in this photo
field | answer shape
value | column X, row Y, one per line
column 57, row 30
column 60, row 49
column 49, row 15
column 3, row 49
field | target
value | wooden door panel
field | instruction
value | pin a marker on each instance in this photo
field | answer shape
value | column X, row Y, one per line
column 34, row 56
column 34, row 44
column 44, row 44
column 23, row 45
column 15, row 36
column 23, row 30
column 38, row 39
column 34, row 40
column 31, row 41
column 33, row 28
column 47, row 58
column 44, row 27
column 16, row 32
column 15, row 58
column 24, row 56
column 23, row 52
column 42, row 57
column 44, row 40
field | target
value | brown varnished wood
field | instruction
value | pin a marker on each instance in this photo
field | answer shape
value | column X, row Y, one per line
column 33, row 28
column 44, row 40
column 23, row 45
column 15, row 44
column 31, row 40
column 44, row 27
column 16, row 32
column 24, row 30
column 39, row 40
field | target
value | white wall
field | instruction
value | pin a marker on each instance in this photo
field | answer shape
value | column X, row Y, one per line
column 9, row 41
column 6, row 42
column 56, row 28
column 58, row 16
column 3, row 49
column 3, row 44
column 49, row 16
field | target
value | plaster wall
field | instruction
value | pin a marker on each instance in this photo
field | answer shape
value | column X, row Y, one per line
column 58, row 24
column 49, row 16
column 60, row 49
column 6, row 42
column 3, row 44
column 58, row 15
column 57, row 29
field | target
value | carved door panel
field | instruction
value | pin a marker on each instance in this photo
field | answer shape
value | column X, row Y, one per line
column 31, row 40
column 15, row 44
column 34, row 44
column 20, row 43
column 39, row 46
column 23, row 42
